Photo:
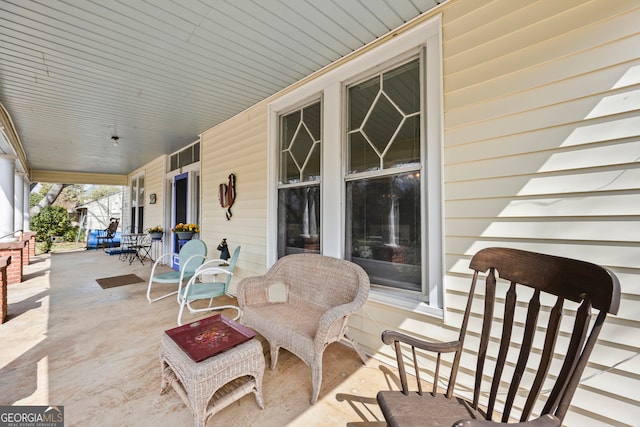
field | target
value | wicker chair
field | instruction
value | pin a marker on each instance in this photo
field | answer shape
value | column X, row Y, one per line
column 544, row 305
column 320, row 293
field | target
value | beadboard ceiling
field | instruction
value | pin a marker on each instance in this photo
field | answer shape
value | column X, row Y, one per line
column 157, row 73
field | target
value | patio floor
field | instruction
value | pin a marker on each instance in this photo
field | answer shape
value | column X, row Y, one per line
column 94, row 351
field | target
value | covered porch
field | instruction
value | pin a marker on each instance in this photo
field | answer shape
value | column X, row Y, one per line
column 95, row 351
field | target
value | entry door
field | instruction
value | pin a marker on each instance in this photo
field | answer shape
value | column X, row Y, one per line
column 180, row 203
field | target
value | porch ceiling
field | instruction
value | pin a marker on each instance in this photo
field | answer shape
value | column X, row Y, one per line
column 157, row 74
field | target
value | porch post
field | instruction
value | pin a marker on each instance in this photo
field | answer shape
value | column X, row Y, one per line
column 7, row 177
column 26, row 219
column 18, row 201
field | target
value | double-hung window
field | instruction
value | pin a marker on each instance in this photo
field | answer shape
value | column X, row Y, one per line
column 299, row 183
column 383, row 177
column 367, row 133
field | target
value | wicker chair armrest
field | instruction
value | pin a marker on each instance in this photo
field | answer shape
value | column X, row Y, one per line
column 253, row 291
column 389, row 337
column 544, row 421
column 330, row 326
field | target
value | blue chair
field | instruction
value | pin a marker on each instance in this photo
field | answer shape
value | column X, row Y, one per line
column 208, row 290
column 191, row 256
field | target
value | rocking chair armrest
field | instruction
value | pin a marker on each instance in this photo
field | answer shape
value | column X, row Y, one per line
column 389, row 337
column 547, row 420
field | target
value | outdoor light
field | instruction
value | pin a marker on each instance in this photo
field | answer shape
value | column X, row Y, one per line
column 115, row 140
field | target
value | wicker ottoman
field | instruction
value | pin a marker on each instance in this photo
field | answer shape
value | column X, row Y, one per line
column 212, row 384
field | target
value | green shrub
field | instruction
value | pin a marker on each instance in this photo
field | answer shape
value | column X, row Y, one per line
column 51, row 221
column 71, row 234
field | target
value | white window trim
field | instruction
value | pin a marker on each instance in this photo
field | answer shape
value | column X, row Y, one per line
column 330, row 87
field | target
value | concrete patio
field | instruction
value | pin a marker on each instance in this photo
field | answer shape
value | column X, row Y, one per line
column 94, row 351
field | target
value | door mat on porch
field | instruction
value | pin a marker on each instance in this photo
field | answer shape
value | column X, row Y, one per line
column 112, row 282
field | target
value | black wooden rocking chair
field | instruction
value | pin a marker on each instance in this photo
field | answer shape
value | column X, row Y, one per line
column 521, row 353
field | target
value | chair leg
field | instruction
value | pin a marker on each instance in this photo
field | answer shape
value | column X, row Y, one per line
column 158, row 298
column 316, row 379
column 216, row 308
column 182, row 304
column 273, row 351
column 356, row 347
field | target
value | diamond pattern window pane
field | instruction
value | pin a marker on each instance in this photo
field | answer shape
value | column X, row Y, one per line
column 382, row 123
column 361, row 97
column 300, row 138
column 301, row 146
column 403, row 86
column 406, row 146
column 312, row 171
column 289, row 171
column 311, row 117
column 363, row 158
column 384, row 120
column 289, row 127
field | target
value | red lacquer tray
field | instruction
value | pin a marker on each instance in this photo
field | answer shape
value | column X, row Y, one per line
column 208, row 337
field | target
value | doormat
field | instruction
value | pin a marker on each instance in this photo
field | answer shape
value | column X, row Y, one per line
column 112, row 282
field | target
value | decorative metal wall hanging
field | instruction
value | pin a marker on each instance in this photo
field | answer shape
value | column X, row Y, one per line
column 227, row 195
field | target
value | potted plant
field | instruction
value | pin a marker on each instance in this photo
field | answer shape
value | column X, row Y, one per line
column 155, row 232
column 185, row 231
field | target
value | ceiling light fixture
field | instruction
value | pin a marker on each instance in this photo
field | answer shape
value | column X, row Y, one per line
column 115, row 140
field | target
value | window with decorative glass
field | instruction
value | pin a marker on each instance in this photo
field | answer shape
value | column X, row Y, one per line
column 299, row 181
column 383, row 181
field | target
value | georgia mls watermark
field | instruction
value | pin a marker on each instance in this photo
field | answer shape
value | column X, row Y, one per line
column 32, row 416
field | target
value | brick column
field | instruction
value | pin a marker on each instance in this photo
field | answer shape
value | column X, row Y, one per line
column 30, row 248
column 4, row 263
column 15, row 269
column 32, row 243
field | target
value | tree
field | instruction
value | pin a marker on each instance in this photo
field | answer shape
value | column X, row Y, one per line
column 99, row 191
column 34, row 199
column 48, row 199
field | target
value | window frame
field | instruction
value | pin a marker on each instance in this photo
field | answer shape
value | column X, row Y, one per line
column 330, row 86
column 386, row 291
column 299, row 184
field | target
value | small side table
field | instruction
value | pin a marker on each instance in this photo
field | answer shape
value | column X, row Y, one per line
column 211, row 385
column 156, row 248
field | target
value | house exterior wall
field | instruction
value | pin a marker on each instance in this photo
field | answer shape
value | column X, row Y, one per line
column 154, row 183
column 541, row 152
column 237, row 146
column 100, row 211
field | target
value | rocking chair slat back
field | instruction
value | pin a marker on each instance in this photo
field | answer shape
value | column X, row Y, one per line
column 527, row 322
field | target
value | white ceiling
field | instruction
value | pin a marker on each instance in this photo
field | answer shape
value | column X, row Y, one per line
column 157, row 73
